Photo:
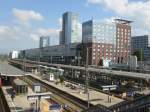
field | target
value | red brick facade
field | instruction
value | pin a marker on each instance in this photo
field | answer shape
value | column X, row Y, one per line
column 117, row 53
column 123, row 39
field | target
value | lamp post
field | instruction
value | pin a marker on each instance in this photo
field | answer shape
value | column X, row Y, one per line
column 87, row 79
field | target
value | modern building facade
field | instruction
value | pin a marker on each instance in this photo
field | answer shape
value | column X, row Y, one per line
column 71, row 29
column 60, row 38
column 141, row 44
column 123, row 40
column 64, row 54
column 97, row 41
column 44, row 41
column 106, row 41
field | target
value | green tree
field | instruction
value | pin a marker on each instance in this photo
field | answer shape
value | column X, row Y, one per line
column 140, row 54
column 61, row 78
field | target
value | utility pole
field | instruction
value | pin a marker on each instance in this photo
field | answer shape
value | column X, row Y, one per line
column 87, row 79
column 141, row 59
column 24, row 67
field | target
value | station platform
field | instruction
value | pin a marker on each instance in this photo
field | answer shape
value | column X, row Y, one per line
column 96, row 97
column 20, row 102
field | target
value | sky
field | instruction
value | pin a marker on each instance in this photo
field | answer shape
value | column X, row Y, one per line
column 22, row 22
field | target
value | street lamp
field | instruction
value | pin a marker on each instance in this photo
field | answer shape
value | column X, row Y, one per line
column 87, row 78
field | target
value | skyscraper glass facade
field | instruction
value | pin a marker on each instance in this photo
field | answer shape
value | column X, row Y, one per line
column 71, row 32
column 141, row 44
column 99, row 32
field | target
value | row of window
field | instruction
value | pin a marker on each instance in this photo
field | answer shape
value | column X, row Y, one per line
column 102, row 54
column 121, row 51
column 103, row 58
column 103, row 50
column 123, row 29
column 102, row 46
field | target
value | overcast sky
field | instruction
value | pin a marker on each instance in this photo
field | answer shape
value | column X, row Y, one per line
column 23, row 21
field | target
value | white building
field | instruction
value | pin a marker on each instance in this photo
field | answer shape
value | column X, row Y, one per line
column 14, row 54
column 132, row 62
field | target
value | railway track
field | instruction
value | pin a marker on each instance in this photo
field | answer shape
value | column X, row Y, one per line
column 60, row 96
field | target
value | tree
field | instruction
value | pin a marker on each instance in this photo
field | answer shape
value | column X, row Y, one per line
column 61, row 79
column 140, row 54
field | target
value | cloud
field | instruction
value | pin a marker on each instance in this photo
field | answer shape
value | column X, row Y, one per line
column 22, row 35
column 54, row 33
column 20, row 32
column 3, row 29
column 7, row 32
column 27, row 15
column 138, row 11
column 34, row 37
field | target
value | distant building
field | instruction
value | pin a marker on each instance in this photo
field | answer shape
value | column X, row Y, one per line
column 44, row 41
column 60, row 38
column 132, row 62
column 141, row 44
column 102, row 42
column 64, row 54
column 71, row 29
column 106, row 41
column 14, row 54
column 123, row 40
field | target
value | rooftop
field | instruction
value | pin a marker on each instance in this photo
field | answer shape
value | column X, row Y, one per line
column 123, row 21
column 19, row 82
column 8, row 70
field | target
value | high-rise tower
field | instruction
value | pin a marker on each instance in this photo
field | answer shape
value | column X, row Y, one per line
column 71, row 29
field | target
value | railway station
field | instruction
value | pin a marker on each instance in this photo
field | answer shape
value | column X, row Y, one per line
column 72, row 89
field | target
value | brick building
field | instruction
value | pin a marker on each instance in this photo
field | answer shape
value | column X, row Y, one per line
column 106, row 41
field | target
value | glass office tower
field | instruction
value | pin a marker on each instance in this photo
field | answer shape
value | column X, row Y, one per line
column 71, row 29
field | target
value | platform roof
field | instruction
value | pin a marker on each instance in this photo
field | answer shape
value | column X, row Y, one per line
column 9, row 70
column 19, row 82
column 136, row 75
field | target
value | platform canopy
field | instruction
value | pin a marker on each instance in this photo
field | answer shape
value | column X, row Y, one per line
column 9, row 70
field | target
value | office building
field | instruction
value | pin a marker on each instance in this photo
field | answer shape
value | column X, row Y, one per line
column 102, row 42
column 44, row 41
column 106, row 41
column 60, row 38
column 71, row 29
column 141, row 44
column 64, row 54
column 123, row 40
